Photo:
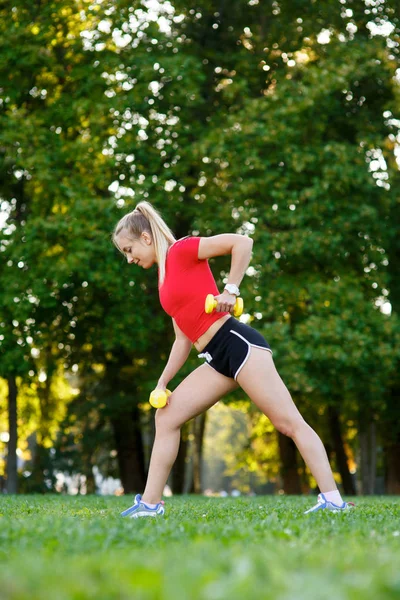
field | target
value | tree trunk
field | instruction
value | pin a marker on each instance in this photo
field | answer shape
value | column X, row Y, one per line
column 289, row 469
column 36, row 483
column 12, row 477
column 392, row 448
column 129, row 444
column 392, row 475
column 372, row 459
column 364, row 461
column 90, row 480
column 177, row 479
column 41, row 469
column 198, row 429
column 368, row 457
column 348, row 483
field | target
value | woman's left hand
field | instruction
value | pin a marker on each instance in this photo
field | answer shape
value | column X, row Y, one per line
column 226, row 302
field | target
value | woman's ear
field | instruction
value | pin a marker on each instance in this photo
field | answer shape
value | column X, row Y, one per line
column 146, row 237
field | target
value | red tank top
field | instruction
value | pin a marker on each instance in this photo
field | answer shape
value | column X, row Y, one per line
column 187, row 282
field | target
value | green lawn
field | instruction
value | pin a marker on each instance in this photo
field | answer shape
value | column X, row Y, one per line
column 69, row 547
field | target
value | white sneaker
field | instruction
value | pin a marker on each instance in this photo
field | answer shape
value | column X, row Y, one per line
column 324, row 504
column 140, row 509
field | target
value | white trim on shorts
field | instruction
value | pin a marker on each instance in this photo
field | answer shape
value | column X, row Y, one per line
column 248, row 351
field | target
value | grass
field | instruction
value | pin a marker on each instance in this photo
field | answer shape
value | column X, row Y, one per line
column 79, row 548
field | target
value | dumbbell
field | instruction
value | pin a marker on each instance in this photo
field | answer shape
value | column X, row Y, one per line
column 159, row 398
column 211, row 304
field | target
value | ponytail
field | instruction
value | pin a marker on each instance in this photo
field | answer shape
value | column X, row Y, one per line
column 146, row 218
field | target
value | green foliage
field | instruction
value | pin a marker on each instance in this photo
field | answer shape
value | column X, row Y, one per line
column 247, row 456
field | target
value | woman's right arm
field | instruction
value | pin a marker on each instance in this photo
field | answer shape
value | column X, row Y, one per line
column 179, row 352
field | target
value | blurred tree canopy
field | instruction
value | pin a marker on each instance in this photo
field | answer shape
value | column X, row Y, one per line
column 274, row 119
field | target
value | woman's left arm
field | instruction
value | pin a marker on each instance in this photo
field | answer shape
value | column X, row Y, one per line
column 240, row 247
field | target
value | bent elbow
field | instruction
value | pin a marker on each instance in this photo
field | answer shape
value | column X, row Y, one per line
column 249, row 242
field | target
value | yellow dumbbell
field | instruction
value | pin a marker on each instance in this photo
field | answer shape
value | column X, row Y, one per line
column 158, row 398
column 211, row 304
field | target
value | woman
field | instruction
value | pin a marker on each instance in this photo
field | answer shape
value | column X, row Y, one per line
column 235, row 353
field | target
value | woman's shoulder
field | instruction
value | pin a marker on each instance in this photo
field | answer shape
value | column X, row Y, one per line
column 185, row 246
column 184, row 241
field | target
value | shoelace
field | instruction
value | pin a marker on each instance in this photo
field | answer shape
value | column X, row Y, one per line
column 320, row 500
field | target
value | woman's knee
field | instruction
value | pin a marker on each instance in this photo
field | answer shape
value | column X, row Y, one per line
column 164, row 420
column 289, row 426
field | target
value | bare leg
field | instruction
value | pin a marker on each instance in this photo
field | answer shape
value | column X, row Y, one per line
column 263, row 384
column 163, row 455
column 198, row 392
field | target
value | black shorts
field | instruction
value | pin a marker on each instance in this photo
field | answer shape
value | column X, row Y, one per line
column 228, row 351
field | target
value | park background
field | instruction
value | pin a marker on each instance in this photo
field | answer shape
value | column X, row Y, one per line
column 278, row 120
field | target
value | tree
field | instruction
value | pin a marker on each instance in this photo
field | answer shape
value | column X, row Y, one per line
column 295, row 147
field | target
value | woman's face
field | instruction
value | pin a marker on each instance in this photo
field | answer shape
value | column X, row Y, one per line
column 139, row 252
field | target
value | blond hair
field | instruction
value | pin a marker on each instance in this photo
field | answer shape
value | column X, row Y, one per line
column 146, row 218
